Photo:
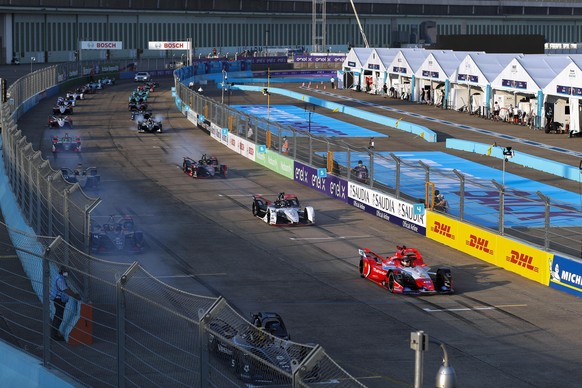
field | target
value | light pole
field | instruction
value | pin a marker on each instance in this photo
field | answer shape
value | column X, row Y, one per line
column 32, row 59
column 224, row 78
column 508, row 153
column 309, row 113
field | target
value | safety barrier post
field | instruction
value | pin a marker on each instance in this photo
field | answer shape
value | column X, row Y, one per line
column 396, row 175
column 429, row 195
column 329, row 162
column 461, row 194
column 120, row 324
column 501, row 220
column 546, row 200
column 205, row 317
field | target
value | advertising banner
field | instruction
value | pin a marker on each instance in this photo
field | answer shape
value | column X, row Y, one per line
column 477, row 243
column 391, row 209
column 168, row 45
column 566, row 275
column 278, row 163
column 192, row 116
column 241, row 146
column 442, row 229
column 333, row 186
column 101, row 45
column 524, row 260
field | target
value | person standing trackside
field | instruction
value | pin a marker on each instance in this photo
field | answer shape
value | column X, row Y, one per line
column 332, row 81
column 285, row 146
column 60, row 294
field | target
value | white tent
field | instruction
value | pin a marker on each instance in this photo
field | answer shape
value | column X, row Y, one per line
column 523, row 79
column 377, row 67
column 353, row 66
column 439, row 67
column 474, row 76
column 403, row 66
column 565, row 92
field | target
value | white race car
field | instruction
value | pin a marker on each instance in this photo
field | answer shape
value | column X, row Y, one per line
column 286, row 210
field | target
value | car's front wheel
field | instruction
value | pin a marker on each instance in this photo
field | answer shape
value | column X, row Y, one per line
column 390, row 283
column 255, row 209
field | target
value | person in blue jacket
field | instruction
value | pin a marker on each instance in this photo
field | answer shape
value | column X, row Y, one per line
column 60, row 294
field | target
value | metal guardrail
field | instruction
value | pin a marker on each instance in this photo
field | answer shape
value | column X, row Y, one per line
column 132, row 330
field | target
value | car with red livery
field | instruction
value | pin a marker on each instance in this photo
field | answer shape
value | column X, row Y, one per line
column 405, row 272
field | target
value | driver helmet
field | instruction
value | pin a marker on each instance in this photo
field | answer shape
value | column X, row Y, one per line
column 406, row 262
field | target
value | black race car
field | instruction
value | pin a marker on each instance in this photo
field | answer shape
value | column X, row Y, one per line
column 149, row 125
column 118, row 234
column 272, row 323
column 133, row 105
column 140, row 114
column 206, row 167
column 66, row 143
column 252, row 355
column 87, row 178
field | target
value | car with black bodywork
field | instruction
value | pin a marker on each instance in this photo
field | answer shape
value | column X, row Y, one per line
column 205, row 167
column 88, row 178
column 150, row 125
column 118, row 234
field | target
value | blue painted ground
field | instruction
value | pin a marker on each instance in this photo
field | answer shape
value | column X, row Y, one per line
column 300, row 119
column 523, row 208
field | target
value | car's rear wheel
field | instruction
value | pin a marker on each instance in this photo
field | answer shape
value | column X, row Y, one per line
column 391, row 280
column 255, row 209
column 362, row 267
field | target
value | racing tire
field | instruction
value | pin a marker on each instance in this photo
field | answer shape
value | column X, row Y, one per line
column 255, row 209
column 444, row 278
column 361, row 266
column 390, row 282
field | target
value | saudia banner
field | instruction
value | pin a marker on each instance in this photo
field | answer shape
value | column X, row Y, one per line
column 391, row 209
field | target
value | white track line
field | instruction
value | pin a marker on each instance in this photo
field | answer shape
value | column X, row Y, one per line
column 477, row 308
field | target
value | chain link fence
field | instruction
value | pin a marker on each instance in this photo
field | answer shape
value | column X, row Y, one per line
column 131, row 329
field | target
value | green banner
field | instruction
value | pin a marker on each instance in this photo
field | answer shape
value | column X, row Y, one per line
column 276, row 162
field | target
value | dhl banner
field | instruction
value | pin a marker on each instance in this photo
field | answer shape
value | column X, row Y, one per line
column 500, row 251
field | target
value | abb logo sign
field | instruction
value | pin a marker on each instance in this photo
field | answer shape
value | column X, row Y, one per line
column 480, row 244
column 522, row 260
column 443, row 229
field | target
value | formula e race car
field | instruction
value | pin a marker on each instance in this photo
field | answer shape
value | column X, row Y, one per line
column 77, row 94
column 140, row 114
column 118, row 234
column 206, row 167
column 107, row 81
column 60, row 122
column 62, row 109
column 286, row 210
column 253, row 355
column 133, row 105
column 149, row 125
column 66, row 143
column 405, row 272
column 87, row 178
column 272, row 323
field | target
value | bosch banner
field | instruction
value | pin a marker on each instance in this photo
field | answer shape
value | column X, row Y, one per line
column 99, row 45
column 169, row 45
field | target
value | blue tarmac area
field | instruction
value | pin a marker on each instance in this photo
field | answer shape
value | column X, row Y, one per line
column 482, row 200
column 300, row 119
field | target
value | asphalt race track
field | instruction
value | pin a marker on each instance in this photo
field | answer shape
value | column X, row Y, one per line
column 500, row 329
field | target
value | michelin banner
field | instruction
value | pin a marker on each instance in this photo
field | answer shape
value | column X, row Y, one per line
column 566, row 275
column 391, row 209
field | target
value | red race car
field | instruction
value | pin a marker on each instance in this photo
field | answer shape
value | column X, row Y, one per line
column 405, row 272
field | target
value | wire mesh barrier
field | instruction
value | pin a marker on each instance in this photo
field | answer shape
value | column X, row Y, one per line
column 130, row 329
column 528, row 216
column 137, row 331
